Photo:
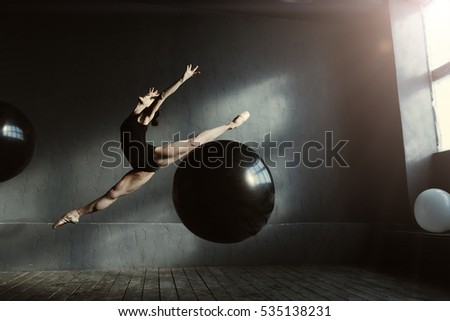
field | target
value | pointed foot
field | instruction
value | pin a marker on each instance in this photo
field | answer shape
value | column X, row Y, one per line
column 71, row 217
column 239, row 120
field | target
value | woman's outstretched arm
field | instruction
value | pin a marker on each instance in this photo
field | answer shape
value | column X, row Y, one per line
column 190, row 72
column 149, row 113
column 146, row 100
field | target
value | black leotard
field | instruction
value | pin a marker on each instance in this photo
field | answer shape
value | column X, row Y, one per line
column 138, row 152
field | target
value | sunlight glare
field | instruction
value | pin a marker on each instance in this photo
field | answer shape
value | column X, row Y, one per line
column 437, row 22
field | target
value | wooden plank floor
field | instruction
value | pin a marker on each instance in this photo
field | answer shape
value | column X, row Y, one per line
column 280, row 283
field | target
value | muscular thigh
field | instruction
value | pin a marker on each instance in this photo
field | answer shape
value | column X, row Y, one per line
column 132, row 181
column 175, row 149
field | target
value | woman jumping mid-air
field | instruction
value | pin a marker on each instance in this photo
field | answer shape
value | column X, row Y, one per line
column 144, row 158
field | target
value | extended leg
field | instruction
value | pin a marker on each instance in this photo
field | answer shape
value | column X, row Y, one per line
column 168, row 154
column 132, row 181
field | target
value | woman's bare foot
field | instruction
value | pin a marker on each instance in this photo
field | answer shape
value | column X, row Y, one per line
column 70, row 217
column 239, row 120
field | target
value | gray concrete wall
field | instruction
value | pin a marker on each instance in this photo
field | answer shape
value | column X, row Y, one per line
column 78, row 75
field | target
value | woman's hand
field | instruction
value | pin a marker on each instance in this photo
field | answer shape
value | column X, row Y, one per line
column 149, row 97
column 152, row 92
column 190, row 72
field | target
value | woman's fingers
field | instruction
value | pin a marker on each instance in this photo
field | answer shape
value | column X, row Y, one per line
column 191, row 71
column 153, row 92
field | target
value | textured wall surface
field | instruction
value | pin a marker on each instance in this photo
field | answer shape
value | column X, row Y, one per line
column 78, row 75
column 414, row 87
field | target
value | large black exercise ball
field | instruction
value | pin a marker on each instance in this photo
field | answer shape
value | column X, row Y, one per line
column 16, row 141
column 223, row 192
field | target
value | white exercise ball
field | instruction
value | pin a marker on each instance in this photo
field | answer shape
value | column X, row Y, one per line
column 432, row 210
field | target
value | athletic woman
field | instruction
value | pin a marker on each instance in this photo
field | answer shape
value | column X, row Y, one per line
column 144, row 158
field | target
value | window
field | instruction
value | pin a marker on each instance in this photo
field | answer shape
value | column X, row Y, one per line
column 437, row 29
column 12, row 131
column 257, row 174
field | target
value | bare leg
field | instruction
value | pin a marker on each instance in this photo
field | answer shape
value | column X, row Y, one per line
column 168, row 154
column 132, row 181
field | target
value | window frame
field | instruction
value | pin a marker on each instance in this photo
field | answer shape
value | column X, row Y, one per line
column 440, row 72
column 436, row 74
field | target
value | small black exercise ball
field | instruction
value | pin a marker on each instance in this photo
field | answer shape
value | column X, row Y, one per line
column 16, row 141
column 223, row 192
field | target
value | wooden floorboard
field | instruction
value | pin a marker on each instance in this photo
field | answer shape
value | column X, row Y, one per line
column 322, row 287
column 135, row 287
column 201, row 291
column 361, row 281
column 10, row 289
column 297, row 285
column 319, row 285
column 25, row 286
column 6, row 277
column 236, row 293
column 251, row 292
column 102, row 288
column 267, row 276
column 215, row 287
column 326, row 280
column 68, row 288
column 400, row 287
column 168, row 290
column 222, row 283
column 38, row 289
column 183, row 286
column 85, row 289
column 43, row 293
column 119, row 287
column 262, row 283
column 340, row 282
column 151, row 285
